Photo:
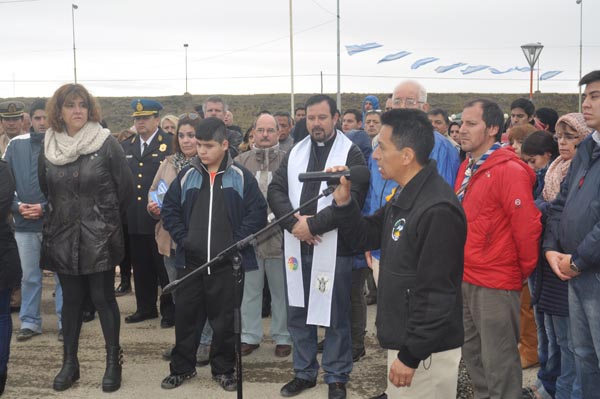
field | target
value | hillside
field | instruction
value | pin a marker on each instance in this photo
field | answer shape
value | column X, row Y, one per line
column 116, row 110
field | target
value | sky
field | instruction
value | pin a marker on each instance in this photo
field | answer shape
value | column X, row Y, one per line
column 135, row 48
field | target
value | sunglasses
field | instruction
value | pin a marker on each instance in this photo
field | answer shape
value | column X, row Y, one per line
column 189, row 115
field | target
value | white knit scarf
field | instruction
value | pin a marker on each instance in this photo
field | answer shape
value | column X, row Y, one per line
column 61, row 149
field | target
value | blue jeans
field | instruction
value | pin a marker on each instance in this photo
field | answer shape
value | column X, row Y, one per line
column 562, row 357
column 337, row 353
column 584, row 314
column 30, row 246
column 254, row 281
column 5, row 328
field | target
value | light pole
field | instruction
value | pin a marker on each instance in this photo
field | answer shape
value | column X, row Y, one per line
column 580, row 2
column 532, row 53
column 339, row 94
column 73, row 8
column 291, row 62
column 185, row 46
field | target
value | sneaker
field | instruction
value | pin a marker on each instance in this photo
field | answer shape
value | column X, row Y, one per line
column 25, row 333
column 174, row 380
column 295, row 386
column 60, row 336
column 226, row 381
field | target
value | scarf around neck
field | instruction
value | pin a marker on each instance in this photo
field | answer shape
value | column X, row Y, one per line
column 61, row 149
column 471, row 168
column 180, row 161
column 554, row 176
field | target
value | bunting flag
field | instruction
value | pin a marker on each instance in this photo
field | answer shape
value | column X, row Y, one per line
column 359, row 48
column 446, row 68
column 549, row 75
column 473, row 69
column 423, row 61
column 499, row 72
column 522, row 69
column 392, row 57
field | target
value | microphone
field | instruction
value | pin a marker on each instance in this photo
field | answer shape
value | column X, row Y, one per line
column 358, row 174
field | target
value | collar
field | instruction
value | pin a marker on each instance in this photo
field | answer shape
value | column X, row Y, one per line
column 596, row 136
column 149, row 140
column 406, row 197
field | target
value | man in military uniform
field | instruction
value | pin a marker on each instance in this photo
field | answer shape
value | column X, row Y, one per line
column 145, row 152
column 11, row 117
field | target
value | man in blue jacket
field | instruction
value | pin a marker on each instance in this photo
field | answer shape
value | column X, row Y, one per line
column 22, row 156
column 411, row 94
column 572, row 242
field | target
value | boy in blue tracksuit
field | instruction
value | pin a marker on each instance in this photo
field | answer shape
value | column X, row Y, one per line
column 212, row 204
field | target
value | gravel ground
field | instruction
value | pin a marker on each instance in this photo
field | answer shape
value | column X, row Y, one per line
column 34, row 363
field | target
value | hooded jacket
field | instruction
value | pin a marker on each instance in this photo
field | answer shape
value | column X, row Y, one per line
column 504, row 223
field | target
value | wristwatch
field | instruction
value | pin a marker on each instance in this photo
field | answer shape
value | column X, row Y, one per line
column 574, row 267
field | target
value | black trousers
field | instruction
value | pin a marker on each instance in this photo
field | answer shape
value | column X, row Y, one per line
column 359, row 308
column 101, row 288
column 206, row 297
column 125, row 265
column 148, row 272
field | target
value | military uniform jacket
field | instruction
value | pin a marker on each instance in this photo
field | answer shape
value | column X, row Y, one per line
column 143, row 168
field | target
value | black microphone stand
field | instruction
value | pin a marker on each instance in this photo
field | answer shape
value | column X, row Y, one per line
column 232, row 254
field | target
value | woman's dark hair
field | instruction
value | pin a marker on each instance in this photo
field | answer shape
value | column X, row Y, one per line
column 539, row 143
column 184, row 121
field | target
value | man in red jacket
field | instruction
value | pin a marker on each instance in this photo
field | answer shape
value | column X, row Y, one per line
column 495, row 188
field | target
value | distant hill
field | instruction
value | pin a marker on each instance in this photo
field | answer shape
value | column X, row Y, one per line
column 116, row 110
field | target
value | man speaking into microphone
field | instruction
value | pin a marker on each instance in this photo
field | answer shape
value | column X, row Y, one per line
column 318, row 264
column 421, row 232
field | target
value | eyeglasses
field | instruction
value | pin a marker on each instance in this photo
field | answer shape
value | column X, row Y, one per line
column 263, row 131
column 566, row 136
column 189, row 115
column 410, row 102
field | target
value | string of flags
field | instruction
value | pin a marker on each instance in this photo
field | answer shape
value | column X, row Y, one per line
column 466, row 69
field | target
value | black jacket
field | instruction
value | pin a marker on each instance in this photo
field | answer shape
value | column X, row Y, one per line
column 10, row 265
column 143, row 169
column 82, row 231
column 421, row 233
column 322, row 222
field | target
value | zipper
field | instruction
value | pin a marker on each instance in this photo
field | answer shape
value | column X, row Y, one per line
column 210, row 205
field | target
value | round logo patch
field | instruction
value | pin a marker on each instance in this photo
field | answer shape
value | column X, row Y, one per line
column 397, row 229
column 292, row 263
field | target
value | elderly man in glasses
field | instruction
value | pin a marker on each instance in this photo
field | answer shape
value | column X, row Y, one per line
column 411, row 94
column 144, row 153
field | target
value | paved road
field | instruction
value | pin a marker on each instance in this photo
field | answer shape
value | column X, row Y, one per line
column 34, row 363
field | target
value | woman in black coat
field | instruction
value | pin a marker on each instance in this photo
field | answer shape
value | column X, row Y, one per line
column 10, row 267
column 88, row 184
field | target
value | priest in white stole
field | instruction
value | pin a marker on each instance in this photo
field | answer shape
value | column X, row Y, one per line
column 318, row 264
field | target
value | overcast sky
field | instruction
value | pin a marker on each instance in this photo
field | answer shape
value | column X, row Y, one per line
column 135, row 48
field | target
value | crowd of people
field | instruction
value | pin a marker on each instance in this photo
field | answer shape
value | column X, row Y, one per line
column 477, row 238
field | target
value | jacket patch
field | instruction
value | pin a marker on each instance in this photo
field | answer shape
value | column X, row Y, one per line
column 397, row 229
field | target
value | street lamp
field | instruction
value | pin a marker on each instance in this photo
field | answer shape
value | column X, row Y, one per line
column 580, row 2
column 73, row 8
column 185, row 46
column 532, row 53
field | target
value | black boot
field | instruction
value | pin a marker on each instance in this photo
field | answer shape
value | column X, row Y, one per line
column 69, row 373
column 112, row 376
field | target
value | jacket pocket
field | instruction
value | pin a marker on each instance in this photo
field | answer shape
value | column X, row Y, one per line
column 393, row 311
